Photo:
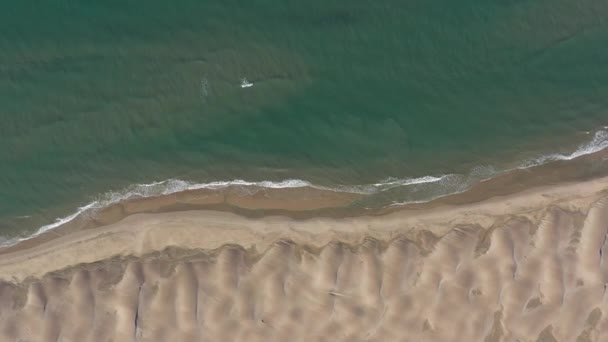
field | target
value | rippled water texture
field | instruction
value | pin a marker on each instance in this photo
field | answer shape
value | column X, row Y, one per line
column 338, row 94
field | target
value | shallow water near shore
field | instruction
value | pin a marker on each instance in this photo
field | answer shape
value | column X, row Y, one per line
column 403, row 102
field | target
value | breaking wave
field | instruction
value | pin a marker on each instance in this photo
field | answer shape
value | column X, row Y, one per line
column 432, row 186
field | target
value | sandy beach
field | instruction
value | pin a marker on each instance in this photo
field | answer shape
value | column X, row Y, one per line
column 529, row 266
column 295, row 171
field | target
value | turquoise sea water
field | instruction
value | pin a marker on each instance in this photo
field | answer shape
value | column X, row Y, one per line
column 97, row 96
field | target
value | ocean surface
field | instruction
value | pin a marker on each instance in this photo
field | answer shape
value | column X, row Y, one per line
column 102, row 101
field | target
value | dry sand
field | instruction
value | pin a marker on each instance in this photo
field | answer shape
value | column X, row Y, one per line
column 523, row 267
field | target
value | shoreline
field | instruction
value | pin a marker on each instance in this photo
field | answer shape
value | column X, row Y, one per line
column 309, row 202
column 232, row 195
column 143, row 233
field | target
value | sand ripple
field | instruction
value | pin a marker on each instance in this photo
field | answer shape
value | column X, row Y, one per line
column 517, row 281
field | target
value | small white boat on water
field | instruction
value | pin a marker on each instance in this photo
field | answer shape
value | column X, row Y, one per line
column 245, row 83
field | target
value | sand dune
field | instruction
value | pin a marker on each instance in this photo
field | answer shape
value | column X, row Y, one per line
column 535, row 272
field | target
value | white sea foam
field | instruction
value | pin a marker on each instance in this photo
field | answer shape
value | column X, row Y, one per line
column 64, row 220
column 392, row 182
column 176, row 185
column 453, row 184
column 45, row 228
column 596, row 144
column 478, row 174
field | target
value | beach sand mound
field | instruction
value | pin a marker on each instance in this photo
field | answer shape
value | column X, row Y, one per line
column 516, row 281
